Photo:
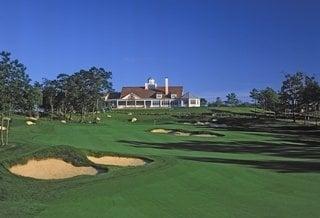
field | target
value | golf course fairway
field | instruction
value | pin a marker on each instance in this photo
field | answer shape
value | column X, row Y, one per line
column 245, row 173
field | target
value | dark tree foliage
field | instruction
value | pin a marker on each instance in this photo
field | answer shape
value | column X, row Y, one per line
column 80, row 92
column 299, row 95
column 203, row 102
column 232, row 99
column 267, row 99
column 217, row 103
column 15, row 87
column 291, row 91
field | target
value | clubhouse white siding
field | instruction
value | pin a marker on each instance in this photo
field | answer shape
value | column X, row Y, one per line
column 152, row 96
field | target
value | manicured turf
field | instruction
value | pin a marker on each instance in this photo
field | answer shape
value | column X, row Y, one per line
column 242, row 174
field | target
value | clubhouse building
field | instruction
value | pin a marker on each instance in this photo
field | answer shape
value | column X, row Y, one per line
column 151, row 96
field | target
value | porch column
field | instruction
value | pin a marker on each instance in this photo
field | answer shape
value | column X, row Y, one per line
column 144, row 104
column 126, row 103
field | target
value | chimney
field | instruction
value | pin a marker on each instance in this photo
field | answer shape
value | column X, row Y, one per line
column 166, row 85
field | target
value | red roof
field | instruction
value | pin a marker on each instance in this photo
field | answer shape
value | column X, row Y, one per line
column 151, row 93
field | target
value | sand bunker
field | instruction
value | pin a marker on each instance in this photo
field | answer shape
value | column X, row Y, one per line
column 204, row 135
column 30, row 123
column 184, row 133
column 133, row 120
column 160, row 131
column 32, row 118
column 117, row 161
column 50, row 169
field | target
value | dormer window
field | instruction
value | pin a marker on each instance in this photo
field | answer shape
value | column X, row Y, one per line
column 158, row 96
column 150, row 84
column 173, row 95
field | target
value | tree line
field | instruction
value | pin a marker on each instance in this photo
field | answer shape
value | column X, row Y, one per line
column 231, row 100
column 80, row 92
column 298, row 95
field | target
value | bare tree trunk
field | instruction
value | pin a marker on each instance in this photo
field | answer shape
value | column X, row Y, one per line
column 255, row 106
column 52, row 109
column 2, row 130
column 293, row 112
column 82, row 115
column 94, row 116
column 305, row 116
column 7, row 131
column 10, row 110
column 70, row 113
column 97, row 105
column 317, row 114
column 65, row 113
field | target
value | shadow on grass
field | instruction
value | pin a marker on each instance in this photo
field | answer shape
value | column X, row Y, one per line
column 266, row 125
column 280, row 166
column 303, row 150
column 309, row 150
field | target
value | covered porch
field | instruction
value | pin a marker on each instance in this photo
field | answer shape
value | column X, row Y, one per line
column 144, row 103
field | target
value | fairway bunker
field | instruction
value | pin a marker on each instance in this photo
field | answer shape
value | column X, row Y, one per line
column 180, row 132
column 165, row 131
column 51, row 168
column 117, row 161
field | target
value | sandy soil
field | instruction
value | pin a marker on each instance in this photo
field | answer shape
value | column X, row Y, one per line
column 32, row 118
column 204, row 135
column 133, row 120
column 182, row 133
column 50, row 169
column 29, row 123
column 160, row 131
column 117, row 161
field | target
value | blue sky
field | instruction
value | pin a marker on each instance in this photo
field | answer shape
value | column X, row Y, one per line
column 211, row 47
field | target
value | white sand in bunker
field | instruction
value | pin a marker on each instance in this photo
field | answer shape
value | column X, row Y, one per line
column 181, row 133
column 204, row 135
column 50, row 169
column 117, row 161
column 161, row 131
